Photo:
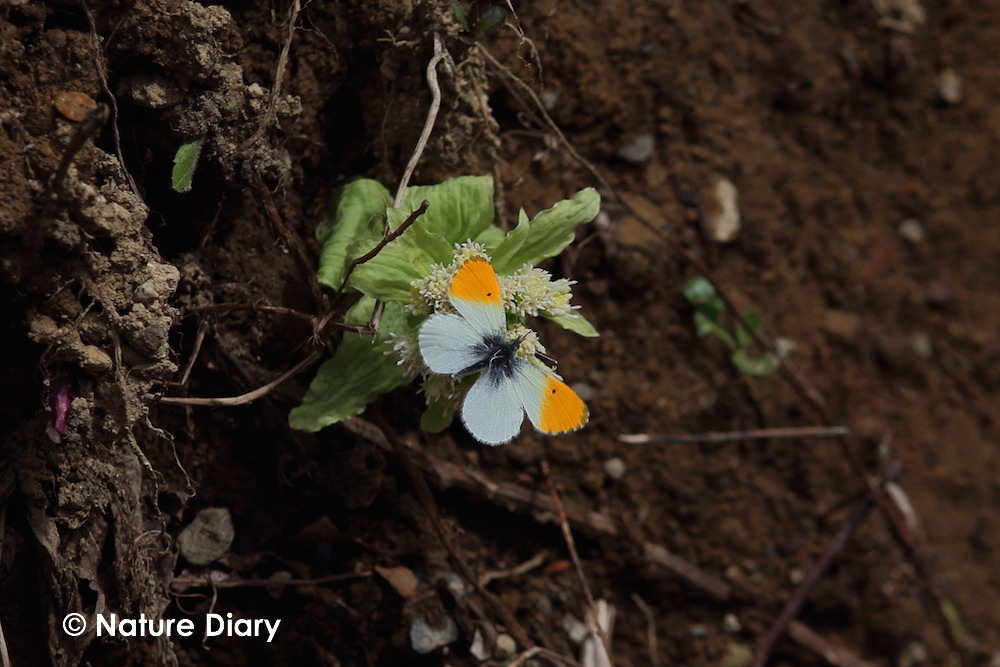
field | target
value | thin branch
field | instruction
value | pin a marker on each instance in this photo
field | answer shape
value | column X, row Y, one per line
column 292, row 242
column 651, row 642
column 102, row 74
column 279, row 77
column 184, row 583
column 539, row 652
column 811, row 579
column 199, row 339
column 835, row 655
column 95, row 119
column 527, row 566
column 386, row 240
column 713, row 437
column 580, row 574
column 242, row 399
column 432, row 112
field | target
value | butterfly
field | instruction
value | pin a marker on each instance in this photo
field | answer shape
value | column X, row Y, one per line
column 474, row 340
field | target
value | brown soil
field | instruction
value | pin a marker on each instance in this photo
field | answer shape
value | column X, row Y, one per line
column 836, row 122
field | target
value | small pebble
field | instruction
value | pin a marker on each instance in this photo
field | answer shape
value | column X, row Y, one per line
column 922, row 346
column 615, row 468
column 731, row 624
column 424, row 637
column 737, row 655
column 477, row 649
column 550, row 98
column 639, row 149
column 949, row 87
column 914, row 653
column 911, row 230
column 208, row 537
column 722, row 212
column 74, row 105
column 94, row 360
column 505, row 647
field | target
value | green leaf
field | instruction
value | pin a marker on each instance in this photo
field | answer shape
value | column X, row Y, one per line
column 757, row 366
column 491, row 237
column 705, row 325
column 460, row 208
column 388, row 274
column 744, row 336
column 437, row 417
column 546, row 235
column 753, row 320
column 698, row 290
column 358, row 372
column 459, row 11
column 490, row 21
column 185, row 162
column 356, row 210
column 576, row 323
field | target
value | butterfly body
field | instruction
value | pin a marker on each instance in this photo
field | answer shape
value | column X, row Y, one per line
column 474, row 340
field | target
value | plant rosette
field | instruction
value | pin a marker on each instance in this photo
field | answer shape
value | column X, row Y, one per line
column 411, row 276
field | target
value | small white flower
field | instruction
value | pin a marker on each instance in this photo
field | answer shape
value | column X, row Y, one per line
column 405, row 347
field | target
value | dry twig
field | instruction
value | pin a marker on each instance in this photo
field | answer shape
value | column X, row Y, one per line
column 580, row 574
column 714, row 437
column 651, row 643
column 242, row 399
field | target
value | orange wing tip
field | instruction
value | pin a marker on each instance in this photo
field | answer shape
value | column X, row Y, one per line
column 476, row 282
column 562, row 410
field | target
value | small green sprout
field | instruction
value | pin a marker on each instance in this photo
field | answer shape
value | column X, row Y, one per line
column 709, row 307
column 411, row 276
column 185, row 162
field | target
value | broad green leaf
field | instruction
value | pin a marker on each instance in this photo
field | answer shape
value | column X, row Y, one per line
column 185, row 162
column 358, row 372
column 356, row 210
column 547, row 234
column 491, row 237
column 576, row 323
column 460, row 208
column 388, row 274
column 757, row 366
column 437, row 417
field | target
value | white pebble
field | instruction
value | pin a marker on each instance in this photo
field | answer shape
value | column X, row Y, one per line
column 731, row 624
column 615, row 468
column 911, row 230
column 639, row 149
column 722, row 215
column 949, row 86
column 424, row 637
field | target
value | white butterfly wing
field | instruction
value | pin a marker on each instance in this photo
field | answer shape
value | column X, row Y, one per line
column 552, row 407
column 492, row 410
column 449, row 344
